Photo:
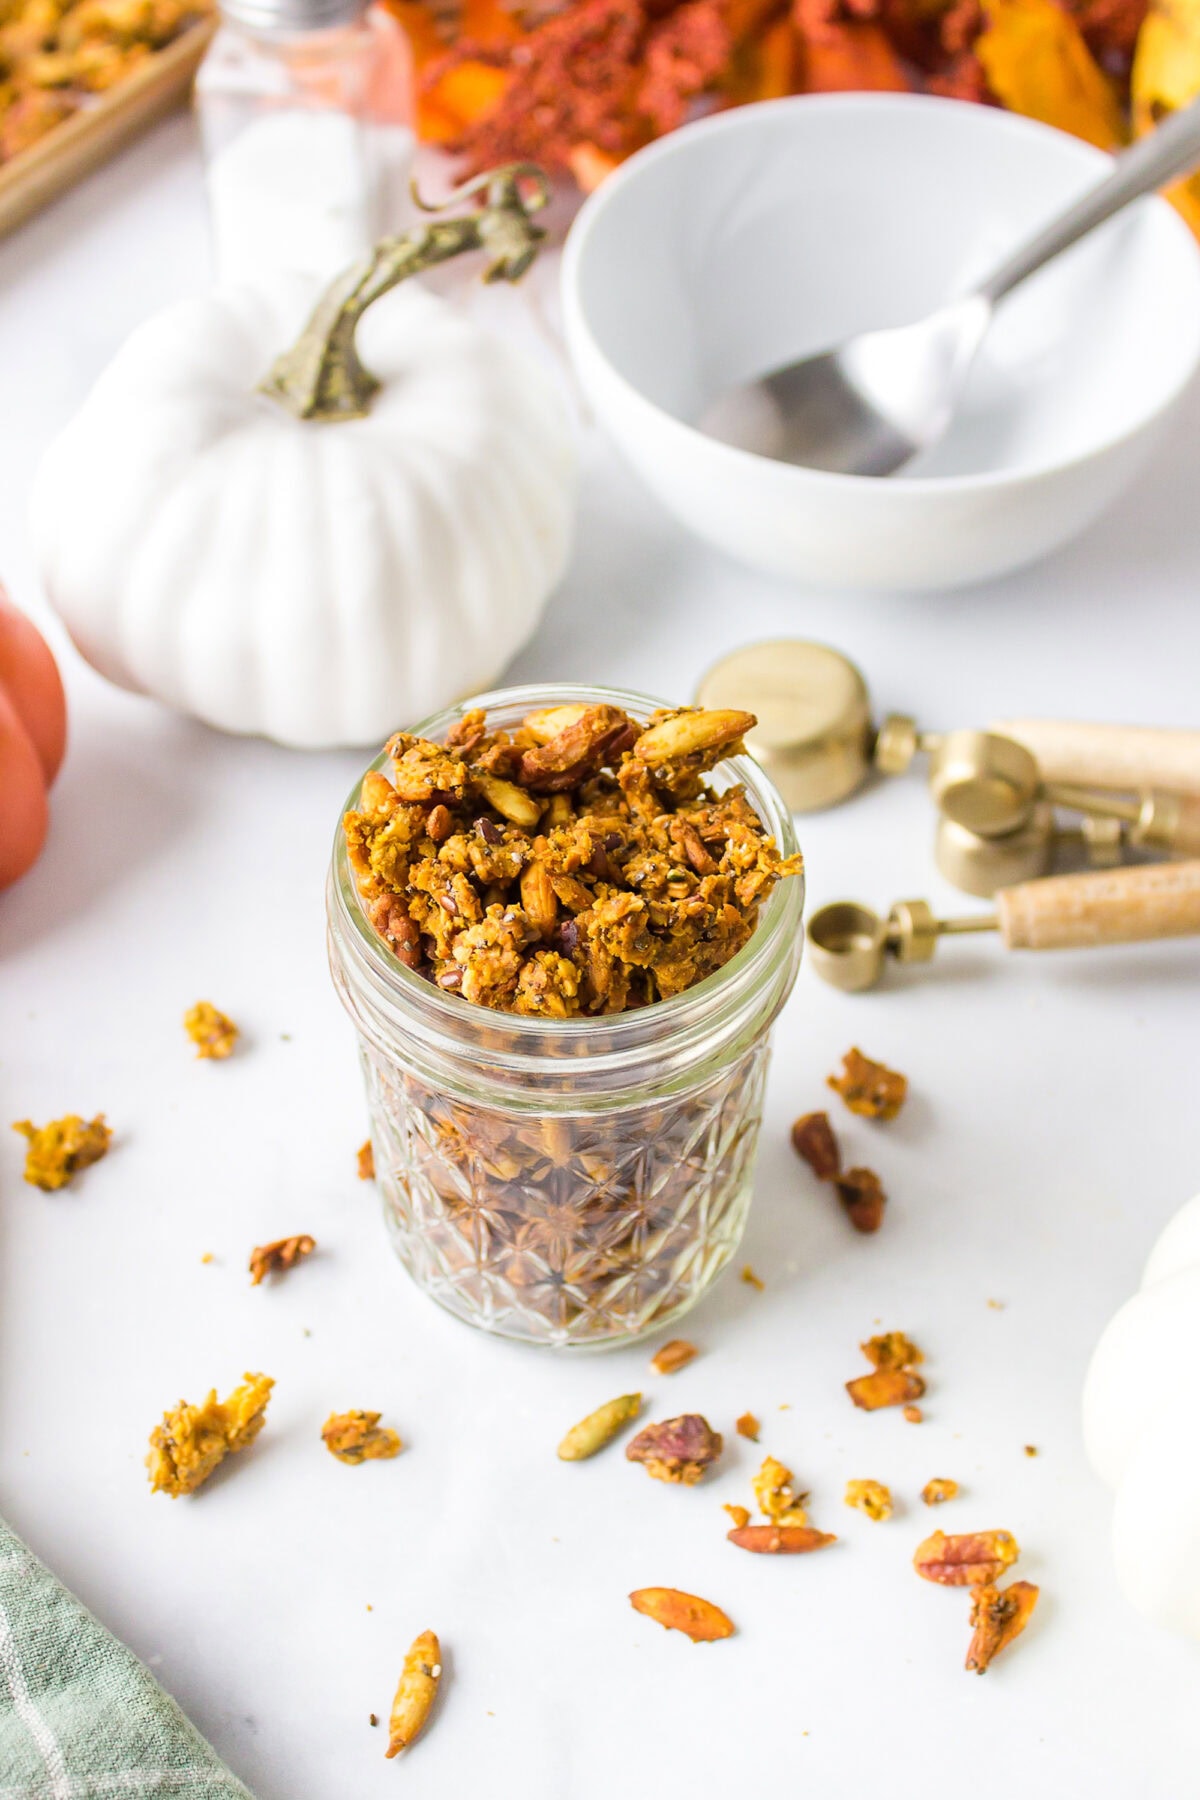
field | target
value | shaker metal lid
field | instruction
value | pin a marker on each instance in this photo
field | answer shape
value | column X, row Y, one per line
column 291, row 15
column 814, row 733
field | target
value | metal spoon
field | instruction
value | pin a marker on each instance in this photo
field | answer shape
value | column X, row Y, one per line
column 869, row 405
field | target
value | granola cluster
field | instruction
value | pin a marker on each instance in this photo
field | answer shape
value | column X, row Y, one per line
column 576, row 865
column 58, row 1151
column 193, row 1440
column 54, row 54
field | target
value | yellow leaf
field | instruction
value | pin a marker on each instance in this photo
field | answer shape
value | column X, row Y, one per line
column 1037, row 63
column 1166, row 75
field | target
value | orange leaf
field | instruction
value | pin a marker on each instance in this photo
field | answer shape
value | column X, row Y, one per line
column 1037, row 64
column 465, row 93
column 1166, row 75
column 765, row 69
column 589, row 165
column 844, row 58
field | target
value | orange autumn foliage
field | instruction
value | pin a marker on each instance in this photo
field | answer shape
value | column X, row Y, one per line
column 579, row 85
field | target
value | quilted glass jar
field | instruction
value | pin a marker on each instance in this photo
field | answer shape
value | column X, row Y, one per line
column 573, row 1182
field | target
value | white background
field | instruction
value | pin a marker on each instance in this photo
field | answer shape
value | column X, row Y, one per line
column 1050, row 1133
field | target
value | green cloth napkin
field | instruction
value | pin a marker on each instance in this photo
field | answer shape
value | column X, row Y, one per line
column 80, row 1717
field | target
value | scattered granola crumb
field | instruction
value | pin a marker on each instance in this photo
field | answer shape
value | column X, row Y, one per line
column 676, row 1449
column 869, row 1088
column 777, row 1500
column 751, row 1279
column 939, row 1490
column 861, row 1193
column 278, row 1257
column 416, row 1693
column 193, row 1440
column 748, row 1427
column 971, row 1559
column 997, row 1305
column 913, row 1414
column 58, row 1151
column 673, row 1356
column 998, row 1615
column 739, row 1514
column 212, row 1032
column 366, row 1161
column 894, row 1382
column 372, row 1719
column 1031, row 1449
column 814, row 1140
column 870, row 1497
column 698, row 1619
column 208, row 1257
column 356, row 1437
column 891, row 1350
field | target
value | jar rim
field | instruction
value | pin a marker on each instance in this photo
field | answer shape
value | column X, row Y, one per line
column 778, row 920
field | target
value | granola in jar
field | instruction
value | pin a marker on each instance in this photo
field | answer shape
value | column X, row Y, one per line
column 563, row 924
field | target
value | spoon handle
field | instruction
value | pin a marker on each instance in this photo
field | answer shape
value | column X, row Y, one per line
column 1170, row 150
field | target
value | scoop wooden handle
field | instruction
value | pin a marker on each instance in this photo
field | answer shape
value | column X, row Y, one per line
column 1184, row 825
column 1112, row 756
column 1117, row 906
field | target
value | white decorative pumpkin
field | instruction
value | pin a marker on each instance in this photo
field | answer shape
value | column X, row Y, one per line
column 1141, row 1422
column 318, row 580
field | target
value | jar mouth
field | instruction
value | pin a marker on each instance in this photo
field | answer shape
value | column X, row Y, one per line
column 776, row 935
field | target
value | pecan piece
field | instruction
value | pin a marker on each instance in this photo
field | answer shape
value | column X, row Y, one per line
column 676, row 1449
column 870, row 1497
column 813, row 1139
column 673, row 1356
column 891, row 1350
column 861, row 1193
column 357, row 1437
column 998, row 1615
column 939, row 1490
column 599, row 1428
column 869, row 1088
column 972, row 1559
column 416, row 1692
column 213, row 1033
column 780, row 1540
column 278, row 1257
column 698, row 1619
column 886, row 1387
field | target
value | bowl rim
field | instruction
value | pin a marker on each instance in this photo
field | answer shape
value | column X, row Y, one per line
column 578, row 332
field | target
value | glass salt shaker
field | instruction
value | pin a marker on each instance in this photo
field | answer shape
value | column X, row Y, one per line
column 306, row 116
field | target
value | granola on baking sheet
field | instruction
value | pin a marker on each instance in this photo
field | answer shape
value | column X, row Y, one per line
column 577, row 865
column 193, row 1440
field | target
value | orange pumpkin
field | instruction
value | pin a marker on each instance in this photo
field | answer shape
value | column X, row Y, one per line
column 33, row 736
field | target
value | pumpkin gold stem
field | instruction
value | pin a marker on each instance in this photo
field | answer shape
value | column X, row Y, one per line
column 321, row 376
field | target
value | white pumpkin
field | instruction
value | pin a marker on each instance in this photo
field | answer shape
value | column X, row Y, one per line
column 323, row 581
column 1141, row 1422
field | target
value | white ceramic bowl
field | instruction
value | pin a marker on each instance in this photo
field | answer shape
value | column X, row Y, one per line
column 774, row 230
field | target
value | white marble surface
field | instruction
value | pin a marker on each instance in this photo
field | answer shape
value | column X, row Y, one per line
column 1052, row 1130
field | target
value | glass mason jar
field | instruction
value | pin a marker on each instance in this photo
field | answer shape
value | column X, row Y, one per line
column 573, row 1182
